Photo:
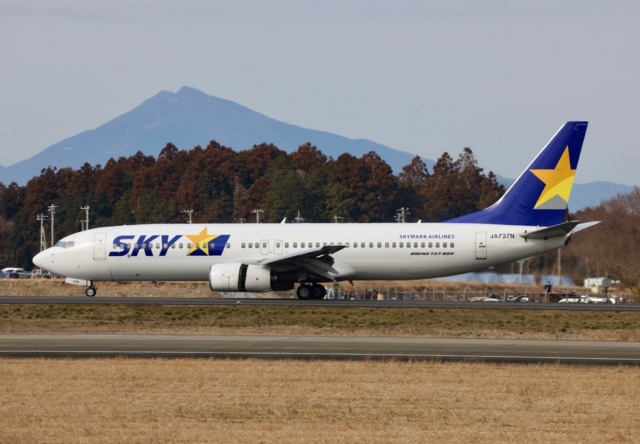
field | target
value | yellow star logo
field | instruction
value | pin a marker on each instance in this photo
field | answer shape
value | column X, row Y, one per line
column 558, row 184
column 200, row 245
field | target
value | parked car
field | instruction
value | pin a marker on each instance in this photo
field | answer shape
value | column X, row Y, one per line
column 521, row 298
column 11, row 275
column 515, row 298
column 493, row 298
column 573, row 299
column 602, row 300
column 22, row 273
column 39, row 274
column 594, row 300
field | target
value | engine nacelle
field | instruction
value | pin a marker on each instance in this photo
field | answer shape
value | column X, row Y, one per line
column 233, row 276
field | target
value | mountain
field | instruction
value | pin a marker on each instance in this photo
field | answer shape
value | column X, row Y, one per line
column 593, row 194
column 189, row 118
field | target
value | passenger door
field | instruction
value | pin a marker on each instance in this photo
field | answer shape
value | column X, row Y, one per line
column 481, row 245
column 100, row 246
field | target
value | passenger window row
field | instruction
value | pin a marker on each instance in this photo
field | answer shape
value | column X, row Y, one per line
column 301, row 245
column 354, row 245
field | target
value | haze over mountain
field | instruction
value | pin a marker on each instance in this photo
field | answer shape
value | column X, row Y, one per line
column 189, row 118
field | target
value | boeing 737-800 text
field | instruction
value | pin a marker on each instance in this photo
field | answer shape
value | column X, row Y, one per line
column 529, row 219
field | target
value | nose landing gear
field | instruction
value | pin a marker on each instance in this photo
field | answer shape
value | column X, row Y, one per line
column 90, row 291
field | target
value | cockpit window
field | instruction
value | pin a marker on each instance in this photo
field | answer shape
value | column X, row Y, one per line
column 63, row 244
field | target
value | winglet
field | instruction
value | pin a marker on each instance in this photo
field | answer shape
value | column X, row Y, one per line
column 540, row 195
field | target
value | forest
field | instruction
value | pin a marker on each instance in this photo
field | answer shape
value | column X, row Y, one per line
column 219, row 185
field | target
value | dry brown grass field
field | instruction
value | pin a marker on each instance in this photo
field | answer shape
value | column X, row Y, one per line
column 249, row 401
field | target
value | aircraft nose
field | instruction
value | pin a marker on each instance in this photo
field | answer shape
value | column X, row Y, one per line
column 40, row 259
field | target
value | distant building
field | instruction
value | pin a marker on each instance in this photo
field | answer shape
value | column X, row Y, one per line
column 597, row 285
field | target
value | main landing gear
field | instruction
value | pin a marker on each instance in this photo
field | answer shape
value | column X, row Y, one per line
column 311, row 291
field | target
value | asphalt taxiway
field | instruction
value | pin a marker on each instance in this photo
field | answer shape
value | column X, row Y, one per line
column 318, row 347
column 301, row 347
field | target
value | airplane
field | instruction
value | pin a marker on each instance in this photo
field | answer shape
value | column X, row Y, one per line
column 529, row 219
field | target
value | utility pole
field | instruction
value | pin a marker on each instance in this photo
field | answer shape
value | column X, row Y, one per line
column 298, row 219
column 401, row 215
column 336, row 218
column 559, row 265
column 43, row 239
column 189, row 211
column 258, row 211
column 52, row 211
column 520, row 267
column 86, row 219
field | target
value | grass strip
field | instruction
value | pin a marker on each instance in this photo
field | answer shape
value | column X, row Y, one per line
column 498, row 324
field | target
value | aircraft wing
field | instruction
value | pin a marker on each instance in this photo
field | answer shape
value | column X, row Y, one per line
column 315, row 261
column 325, row 251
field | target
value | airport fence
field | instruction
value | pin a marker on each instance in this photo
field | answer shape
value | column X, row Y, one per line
column 410, row 292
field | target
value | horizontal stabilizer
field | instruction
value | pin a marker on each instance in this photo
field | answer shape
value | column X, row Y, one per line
column 549, row 232
column 585, row 225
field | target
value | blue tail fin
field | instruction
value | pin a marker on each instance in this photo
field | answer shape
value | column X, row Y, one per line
column 540, row 195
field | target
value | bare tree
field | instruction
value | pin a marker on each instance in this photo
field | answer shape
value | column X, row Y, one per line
column 612, row 249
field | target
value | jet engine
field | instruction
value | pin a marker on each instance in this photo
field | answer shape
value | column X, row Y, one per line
column 233, row 276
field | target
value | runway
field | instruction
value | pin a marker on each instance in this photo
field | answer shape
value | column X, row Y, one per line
column 326, row 303
column 316, row 347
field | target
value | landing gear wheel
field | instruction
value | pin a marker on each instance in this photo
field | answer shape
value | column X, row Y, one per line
column 319, row 292
column 90, row 292
column 304, row 292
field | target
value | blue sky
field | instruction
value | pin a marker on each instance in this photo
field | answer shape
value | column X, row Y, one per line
column 419, row 76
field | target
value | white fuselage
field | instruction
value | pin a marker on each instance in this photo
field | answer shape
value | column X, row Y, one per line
column 167, row 252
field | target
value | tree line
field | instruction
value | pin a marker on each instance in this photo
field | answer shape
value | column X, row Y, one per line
column 221, row 185
column 611, row 249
